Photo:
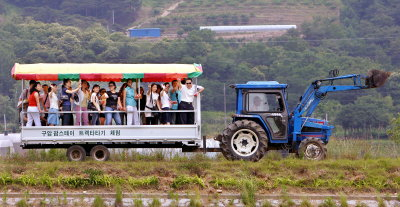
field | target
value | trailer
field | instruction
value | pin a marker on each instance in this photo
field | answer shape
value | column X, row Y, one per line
column 94, row 141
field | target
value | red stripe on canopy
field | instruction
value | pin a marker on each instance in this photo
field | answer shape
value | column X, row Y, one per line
column 101, row 76
column 25, row 77
column 112, row 77
column 47, row 77
column 162, row 77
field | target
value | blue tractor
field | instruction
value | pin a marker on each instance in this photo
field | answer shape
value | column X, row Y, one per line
column 263, row 121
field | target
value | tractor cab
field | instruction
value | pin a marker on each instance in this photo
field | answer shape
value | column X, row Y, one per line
column 265, row 102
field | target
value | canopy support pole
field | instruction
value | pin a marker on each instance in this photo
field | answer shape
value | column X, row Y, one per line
column 138, row 91
column 22, row 105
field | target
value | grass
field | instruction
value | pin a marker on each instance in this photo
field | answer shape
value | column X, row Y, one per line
column 98, row 202
column 305, row 203
column 329, row 202
column 344, row 170
column 155, row 203
column 138, row 202
column 381, row 202
column 364, row 175
column 118, row 197
column 248, row 193
column 343, row 201
column 361, row 204
column 266, row 203
column 195, row 200
column 286, row 200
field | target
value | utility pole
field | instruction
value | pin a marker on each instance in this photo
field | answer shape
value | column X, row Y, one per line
column 224, row 106
column 5, row 126
column 113, row 17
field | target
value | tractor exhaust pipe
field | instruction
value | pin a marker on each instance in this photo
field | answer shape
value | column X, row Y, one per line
column 376, row 78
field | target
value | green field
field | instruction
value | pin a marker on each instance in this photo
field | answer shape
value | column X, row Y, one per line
column 352, row 166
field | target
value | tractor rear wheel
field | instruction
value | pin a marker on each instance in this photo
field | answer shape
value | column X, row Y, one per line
column 244, row 140
column 312, row 149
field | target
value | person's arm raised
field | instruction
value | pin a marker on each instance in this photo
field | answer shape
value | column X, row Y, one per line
column 74, row 90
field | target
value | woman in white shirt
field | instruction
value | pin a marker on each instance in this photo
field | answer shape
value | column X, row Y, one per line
column 152, row 104
column 54, row 117
column 165, row 105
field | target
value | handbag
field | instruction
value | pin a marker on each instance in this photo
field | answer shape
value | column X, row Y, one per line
column 91, row 106
column 154, row 108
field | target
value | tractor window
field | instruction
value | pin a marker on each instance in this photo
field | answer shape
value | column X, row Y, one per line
column 261, row 102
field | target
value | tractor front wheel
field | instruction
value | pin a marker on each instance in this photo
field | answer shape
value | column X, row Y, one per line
column 312, row 149
column 244, row 140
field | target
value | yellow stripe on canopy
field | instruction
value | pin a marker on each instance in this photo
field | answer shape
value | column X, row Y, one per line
column 77, row 68
column 104, row 72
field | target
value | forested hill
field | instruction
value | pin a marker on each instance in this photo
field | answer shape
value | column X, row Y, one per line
column 80, row 13
column 364, row 36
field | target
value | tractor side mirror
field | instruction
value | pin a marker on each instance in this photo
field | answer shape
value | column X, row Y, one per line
column 334, row 73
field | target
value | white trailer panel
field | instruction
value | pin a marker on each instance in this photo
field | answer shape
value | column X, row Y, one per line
column 95, row 134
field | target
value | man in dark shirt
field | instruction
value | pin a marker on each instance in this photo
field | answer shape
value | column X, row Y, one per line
column 142, row 104
column 112, row 104
column 66, row 94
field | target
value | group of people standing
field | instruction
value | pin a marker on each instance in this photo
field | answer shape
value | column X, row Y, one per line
column 99, row 106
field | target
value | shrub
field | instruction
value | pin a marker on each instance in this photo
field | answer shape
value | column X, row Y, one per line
column 183, row 181
column 143, row 182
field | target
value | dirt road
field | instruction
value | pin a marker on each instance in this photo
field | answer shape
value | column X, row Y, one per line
column 165, row 12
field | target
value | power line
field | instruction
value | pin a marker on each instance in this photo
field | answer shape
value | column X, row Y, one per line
column 212, row 42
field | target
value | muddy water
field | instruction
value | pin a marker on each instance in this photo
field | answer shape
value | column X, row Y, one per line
column 222, row 200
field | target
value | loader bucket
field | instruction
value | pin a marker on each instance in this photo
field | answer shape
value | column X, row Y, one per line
column 376, row 78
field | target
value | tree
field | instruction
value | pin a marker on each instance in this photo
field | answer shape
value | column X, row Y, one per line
column 394, row 129
column 367, row 111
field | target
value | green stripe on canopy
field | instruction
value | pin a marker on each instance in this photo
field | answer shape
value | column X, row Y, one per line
column 132, row 75
column 62, row 76
column 194, row 74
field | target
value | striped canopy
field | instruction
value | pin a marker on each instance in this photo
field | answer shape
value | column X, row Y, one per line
column 105, row 72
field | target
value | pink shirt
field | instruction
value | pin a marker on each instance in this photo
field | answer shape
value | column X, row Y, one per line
column 47, row 103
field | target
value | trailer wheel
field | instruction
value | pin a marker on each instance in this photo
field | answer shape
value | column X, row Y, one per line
column 244, row 140
column 76, row 153
column 100, row 153
column 312, row 149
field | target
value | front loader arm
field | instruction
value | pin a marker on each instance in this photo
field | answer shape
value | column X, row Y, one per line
column 315, row 92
